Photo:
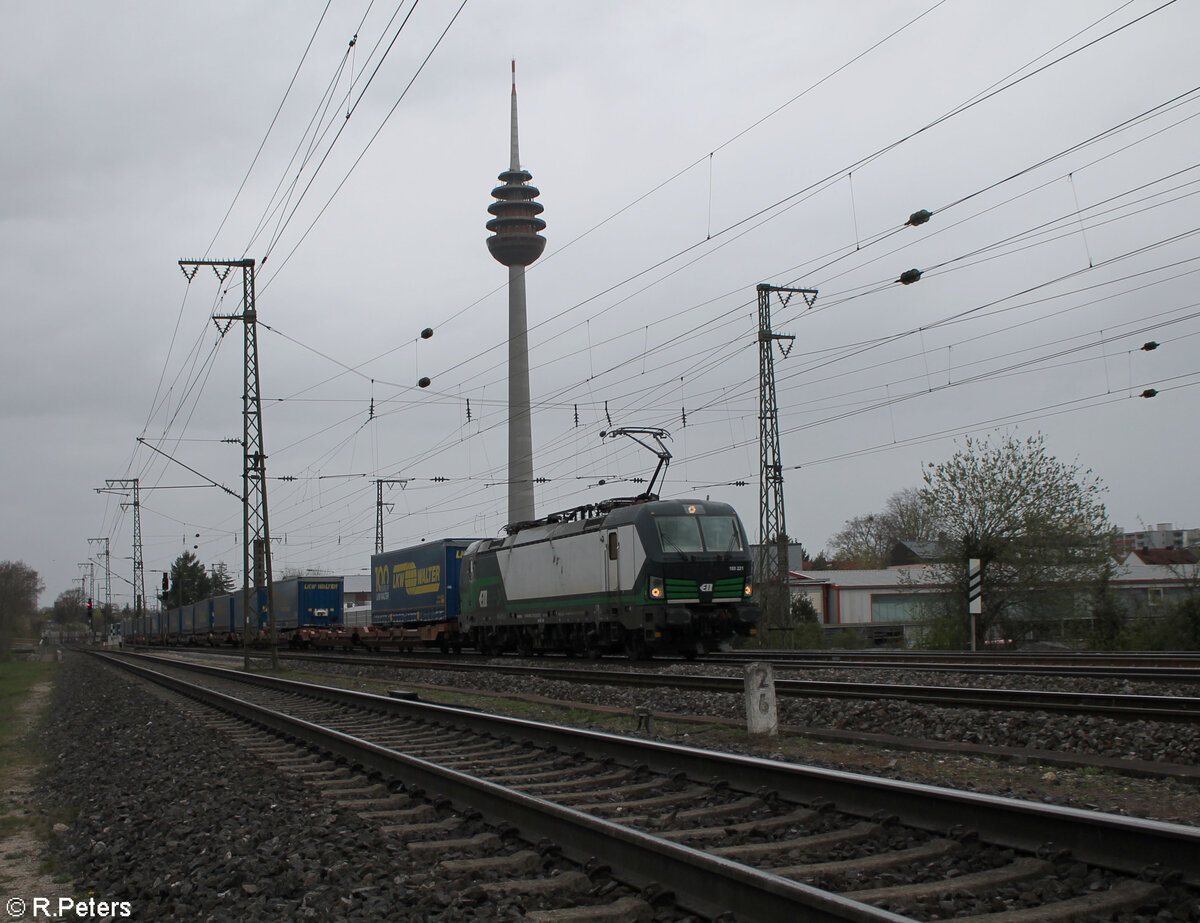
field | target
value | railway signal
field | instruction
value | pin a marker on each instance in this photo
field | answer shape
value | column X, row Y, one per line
column 974, row 592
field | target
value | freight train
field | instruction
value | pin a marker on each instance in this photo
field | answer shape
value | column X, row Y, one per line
column 641, row 576
column 300, row 603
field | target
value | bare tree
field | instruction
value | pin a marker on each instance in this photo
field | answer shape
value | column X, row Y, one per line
column 867, row 541
column 864, row 541
column 69, row 608
column 19, row 589
column 911, row 517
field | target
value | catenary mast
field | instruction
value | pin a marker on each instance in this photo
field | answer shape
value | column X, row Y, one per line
column 516, row 243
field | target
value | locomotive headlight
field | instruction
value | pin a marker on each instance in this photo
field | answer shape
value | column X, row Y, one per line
column 748, row 591
column 657, row 589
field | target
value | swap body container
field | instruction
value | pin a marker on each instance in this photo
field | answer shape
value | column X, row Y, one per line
column 417, row 588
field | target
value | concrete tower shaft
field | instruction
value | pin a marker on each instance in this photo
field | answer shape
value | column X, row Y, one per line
column 515, row 242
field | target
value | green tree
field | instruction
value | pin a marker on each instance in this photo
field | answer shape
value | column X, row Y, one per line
column 1182, row 625
column 1177, row 630
column 800, row 626
column 220, row 581
column 1037, row 525
column 1108, row 618
column 19, row 589
column 189, row 582
column 806, row 624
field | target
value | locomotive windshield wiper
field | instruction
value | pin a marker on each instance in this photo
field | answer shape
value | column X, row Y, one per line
column 667, row 540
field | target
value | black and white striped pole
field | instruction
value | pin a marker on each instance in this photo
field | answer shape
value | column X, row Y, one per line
column 974, row 593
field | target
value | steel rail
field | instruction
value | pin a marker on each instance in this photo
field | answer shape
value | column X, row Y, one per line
column 701, row 882
column 1185, row 709
column 1175, row 668
column 1171, row 670
column 1177, row 659
column 1133, row 707
column 1121, row 843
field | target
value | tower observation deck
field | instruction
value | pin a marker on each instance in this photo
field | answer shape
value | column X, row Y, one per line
column 515, row 240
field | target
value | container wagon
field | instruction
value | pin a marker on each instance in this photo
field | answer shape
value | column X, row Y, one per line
column 300, row 603
column 202, row 622
column 308, row 602
column 415, row 596
column 224, row 624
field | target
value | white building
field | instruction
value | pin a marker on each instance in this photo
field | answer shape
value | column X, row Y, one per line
column 880, row 603
column 884, row 604
column 1163, row 535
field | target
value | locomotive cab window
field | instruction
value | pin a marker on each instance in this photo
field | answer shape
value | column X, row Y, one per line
column 691, row 534
column 721, row 533
column 679, row 534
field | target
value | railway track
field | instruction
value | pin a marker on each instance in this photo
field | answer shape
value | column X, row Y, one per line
column 775, row 841
column 1125, row 707
column 1177, row 659
column 1150, row 667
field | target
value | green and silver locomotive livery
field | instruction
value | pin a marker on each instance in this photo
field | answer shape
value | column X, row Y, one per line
column 642, row 577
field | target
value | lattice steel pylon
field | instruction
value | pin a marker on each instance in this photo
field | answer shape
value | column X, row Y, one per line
column 772, row 563
column 379, row 485
column 256, row 532
column 120, row 485
column 107, row 577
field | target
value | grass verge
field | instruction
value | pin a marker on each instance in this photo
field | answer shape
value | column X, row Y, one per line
column 18, row 680
column 24, row 694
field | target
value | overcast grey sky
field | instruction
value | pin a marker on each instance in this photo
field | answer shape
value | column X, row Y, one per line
column 685, row 153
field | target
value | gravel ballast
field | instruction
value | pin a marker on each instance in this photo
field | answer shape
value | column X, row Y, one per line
column 1045, row 775
column 1149, row 741
column 168, row 817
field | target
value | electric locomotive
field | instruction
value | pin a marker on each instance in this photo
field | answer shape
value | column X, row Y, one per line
column 642, row 576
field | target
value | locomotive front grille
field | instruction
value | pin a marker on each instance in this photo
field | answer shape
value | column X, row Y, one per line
column 678, row 588
column 684, row 589
column 729, row 588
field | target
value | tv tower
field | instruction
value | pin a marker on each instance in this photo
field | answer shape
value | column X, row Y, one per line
column 516, row 243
